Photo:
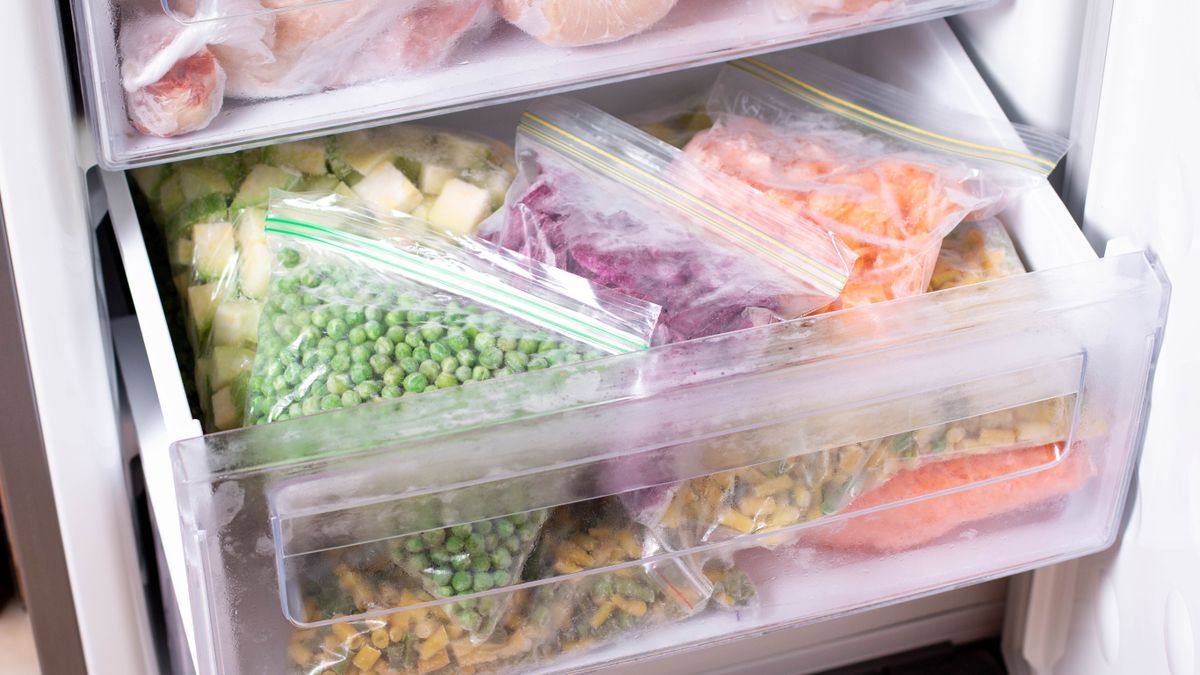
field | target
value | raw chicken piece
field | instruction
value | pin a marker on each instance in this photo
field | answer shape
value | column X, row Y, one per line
column 577, row 23
column 173, row 84
column 923, row 521
column 808, row 10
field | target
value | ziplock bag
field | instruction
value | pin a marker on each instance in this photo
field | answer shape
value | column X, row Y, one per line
column 596, row 197
column 577, row 23
column 677, row 123
column 780, row 494
column 366, row 304
column 975, row 251
column 886, row 172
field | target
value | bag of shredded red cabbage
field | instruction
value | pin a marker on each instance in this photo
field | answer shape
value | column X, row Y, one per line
column 367, row 304
column 599, row 198
column 888, row 173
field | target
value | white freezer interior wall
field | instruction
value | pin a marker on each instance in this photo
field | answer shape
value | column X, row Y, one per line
column 1028, row 51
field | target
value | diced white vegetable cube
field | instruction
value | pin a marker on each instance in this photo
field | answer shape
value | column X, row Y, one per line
column 213, row 247
column 225, row 413
column 236, row 323
column 460, row 207
column 256, row 189
column 181, row 252
column 305, row 156
column 254, row 275
column 227, row 363
column 388, row 187
column 434, row 177
column 422, row 210
column 202, row 301
column 464, row 153
column 251, row 228
column 345, row 191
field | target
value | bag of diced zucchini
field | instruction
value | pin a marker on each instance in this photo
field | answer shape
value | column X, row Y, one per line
column 366, row 304
column 454, row 180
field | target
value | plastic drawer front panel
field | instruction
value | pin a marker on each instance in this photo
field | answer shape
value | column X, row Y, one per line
column 684, row 495
column 204, row 77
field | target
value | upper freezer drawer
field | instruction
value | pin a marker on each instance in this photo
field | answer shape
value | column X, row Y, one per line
column 186, row 77
column 608, row 511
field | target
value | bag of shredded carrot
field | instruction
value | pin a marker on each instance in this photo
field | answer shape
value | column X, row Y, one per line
column 888, row 173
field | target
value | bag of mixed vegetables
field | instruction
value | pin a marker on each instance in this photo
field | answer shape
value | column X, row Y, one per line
column 888, row 173
column 597, row 197
column 217, row 249
column 974, row 252
column 779, row 494
column 366, row 304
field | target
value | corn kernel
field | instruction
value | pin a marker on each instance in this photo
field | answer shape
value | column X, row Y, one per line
column 366, row 657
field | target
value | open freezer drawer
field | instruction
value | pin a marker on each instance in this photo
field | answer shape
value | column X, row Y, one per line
column 1078, row 336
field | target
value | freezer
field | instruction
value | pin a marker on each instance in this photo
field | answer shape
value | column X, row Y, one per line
column 792, row 496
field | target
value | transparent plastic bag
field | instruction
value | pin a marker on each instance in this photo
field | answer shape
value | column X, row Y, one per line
column 366, row 304
column 887, row 173
column 675, row 124
column 975, row 251
column 780, row 494
column 578, row 23
column 598, row 198
column 452, row 179
column 817, row 12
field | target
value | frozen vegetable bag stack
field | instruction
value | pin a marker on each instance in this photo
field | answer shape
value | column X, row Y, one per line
column 211, row 213
column 599, row 198
column 887, row 172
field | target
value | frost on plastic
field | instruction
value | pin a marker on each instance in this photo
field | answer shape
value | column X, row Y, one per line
column 598, row 198
column 888, row 174
column 366, row 304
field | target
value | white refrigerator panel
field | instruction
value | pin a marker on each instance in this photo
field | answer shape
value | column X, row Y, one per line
column 1136, row 608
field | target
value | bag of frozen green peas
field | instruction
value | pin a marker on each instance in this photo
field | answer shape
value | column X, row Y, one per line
column 365, row 304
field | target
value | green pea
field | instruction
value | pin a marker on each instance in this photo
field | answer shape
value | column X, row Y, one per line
column 434, row 537
column 351, row 398
column 413, row 339
column 440, row 577
column 443, row 591
column 502, row 372
column 462, row 374
column 289, row 257
column 379, row 363
column 505, row 527
column 373, row 329
column 506, row 343
column 502, row 559
column 294, row 410
column 501, row 578
column 484, row 341
column 324, row 354
column 480, row 373
column 483, row 582
column 355, row 317
column 439, row 556
column 394, row 375
column 547, row 346
column 342, row 348
column 516, row 361
column 331, row 401
column 410, row 365
column 336, row 329
column 513, row 543
column 416, row 383
column 402, row 351
column 360, row 353
column 432, row 332
column 337, row 383
column 491, row 358
column 368, row 390
column 458, row 342
column 460, row 561
column 481, row 563
column 357, row 335
column 438, row 351
column 454, row 544
column 528, row 345
column 416, row 317
column 527, row 532
column 538, row 364
column 474, row 544
column 465, row 357
column 461, row 531
column 395, row 334
column 414, row 544
column 384, row 345
column 394, row 318
column 391, row 391
column 445, row 381
column 291, row 374
column 310, row 406
column 430, row 369
column 360, row 372
column 482, row 527
column 420, row 354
